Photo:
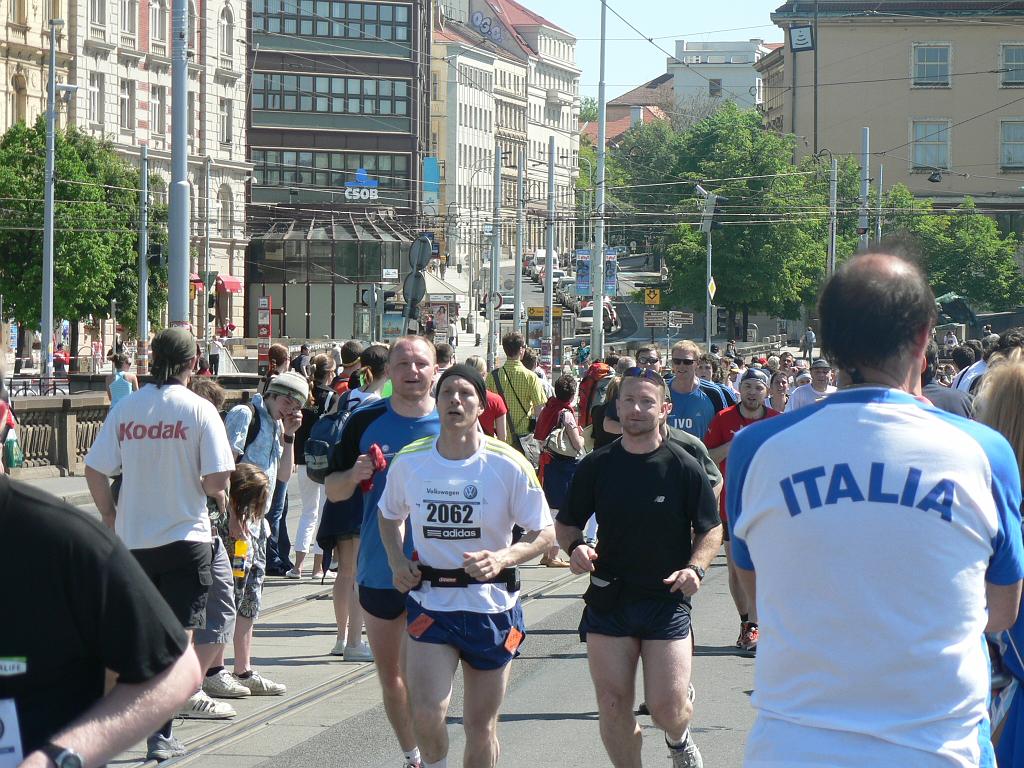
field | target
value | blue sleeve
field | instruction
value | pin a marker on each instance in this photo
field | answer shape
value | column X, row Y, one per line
column 1007, row 563
column 740, row 456
column 237, row 425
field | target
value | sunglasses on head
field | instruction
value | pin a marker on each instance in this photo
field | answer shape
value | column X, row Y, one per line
column 642, row 373
column 683, row 361
column 647, row 360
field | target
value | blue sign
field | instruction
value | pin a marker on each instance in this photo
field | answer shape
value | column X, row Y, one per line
column 362, row 187
column 431, row 186
column 362, row 179
column 583, row 272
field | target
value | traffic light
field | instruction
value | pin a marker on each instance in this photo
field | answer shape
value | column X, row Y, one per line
column 211, row 300
column 155, row 257
column 388, row 297
column 707, row 220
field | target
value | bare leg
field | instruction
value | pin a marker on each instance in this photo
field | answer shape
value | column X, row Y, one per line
column 666, row 680
column 387, row 640
column 484, row 692
column 429, row 672
column 613, row 663
column 299, row 558
column 348, row 614
column 208, row 653
column 243, row 644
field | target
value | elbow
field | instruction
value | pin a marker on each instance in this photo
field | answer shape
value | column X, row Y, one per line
column 547, row 537
column 1001, row 620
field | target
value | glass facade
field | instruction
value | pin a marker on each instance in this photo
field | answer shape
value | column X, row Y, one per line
column 325, row 18
column 330, row 94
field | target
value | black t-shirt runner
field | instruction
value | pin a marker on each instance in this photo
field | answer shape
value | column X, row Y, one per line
column 646, row 505
column 90, row 608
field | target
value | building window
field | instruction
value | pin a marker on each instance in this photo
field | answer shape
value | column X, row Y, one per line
column 129, row 16
column 931, row 65
column 330, row 94
column 1013, row 64
column 226, row 122
column 96, row 98
column 1011, row 150
column 327, row 18
column 158, row 110
column 192, row 115
column 190, row 43
column 16, row 11
column 158, row 22
column 715, row 88
column 276, row 168
column 97, row 12
column 227, row 33
column 930, row 141
column 126, row 113
column 226, row 211
column 20, row 99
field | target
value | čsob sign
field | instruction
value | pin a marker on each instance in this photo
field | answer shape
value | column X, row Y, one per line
column 362, row 187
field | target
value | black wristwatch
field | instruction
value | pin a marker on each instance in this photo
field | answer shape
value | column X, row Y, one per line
column 698, row 570
column 288, row 439
column 572, row 547
column 62, row 757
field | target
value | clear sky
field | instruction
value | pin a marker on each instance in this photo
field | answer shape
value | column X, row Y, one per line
column 629, row 60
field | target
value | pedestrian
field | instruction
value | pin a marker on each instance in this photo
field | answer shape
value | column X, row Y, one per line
column 660, row 530
column 531, row 361
column 122, row 382
column 373, row 369
column 719, row 439
column 277, row 362
column 493, row 419
column 320, row 401
column 807, row 342
column 301, row 362
column 216, row 348
column 347, row 359
column 164, row 437
column 278, row 415
column 899, row 498
column 461, row 493
column 819, row 387
column 61, row 361
column 778, row 391
column 948, row 399
column 694, row 401
column 561, row 441
column 522, row 392
column 92, row 608
column 390, row 424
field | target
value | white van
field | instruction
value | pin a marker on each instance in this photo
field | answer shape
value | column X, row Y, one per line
column 540, row 261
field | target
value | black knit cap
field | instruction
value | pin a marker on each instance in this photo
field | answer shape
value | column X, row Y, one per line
column 472, row 375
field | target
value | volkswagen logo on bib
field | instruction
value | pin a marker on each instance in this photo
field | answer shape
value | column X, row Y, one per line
column 469, row 491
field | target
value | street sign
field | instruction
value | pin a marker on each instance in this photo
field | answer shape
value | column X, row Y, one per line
column 420, row 252
column 679, row 319
column 652, row 296
column 389, row 274
column 656, row 319
column 415, row 287
column 712, row 288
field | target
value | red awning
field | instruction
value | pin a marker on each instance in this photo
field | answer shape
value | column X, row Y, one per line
column 229, row 284
column 197, row 281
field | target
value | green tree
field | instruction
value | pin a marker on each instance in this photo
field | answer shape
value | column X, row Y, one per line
column 588, row 109
column 95, row 228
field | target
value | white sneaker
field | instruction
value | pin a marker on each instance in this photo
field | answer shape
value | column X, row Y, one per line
column 359, row 652
column 202, row 707
column 260, row 686
column 293, row 574
column 224, row 686
column 338, row 649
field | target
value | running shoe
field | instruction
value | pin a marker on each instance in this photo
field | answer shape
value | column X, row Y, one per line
column 293, row 574
column 687, row 755
column 338, row 649
column 260, row 686
column 201, row 707
column 749, row 638
column 223, row 685
column 359, row 652
column 411, row 764
column 162, row 748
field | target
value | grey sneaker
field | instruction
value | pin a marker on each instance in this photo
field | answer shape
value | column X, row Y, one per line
column 260, row 686
column 359, row 652
column 686, row 756
column 162, row 748
column 223, row 685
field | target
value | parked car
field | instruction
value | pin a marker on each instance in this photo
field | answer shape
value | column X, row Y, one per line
column 569, row 298
column 507, row 308
column 584, row 320
column 561, row 285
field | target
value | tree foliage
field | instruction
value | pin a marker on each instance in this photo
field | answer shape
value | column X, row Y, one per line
column 95, row 228
column 588, row 110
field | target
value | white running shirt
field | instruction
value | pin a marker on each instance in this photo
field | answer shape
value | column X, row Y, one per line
column 163, row 440
column 463, row 506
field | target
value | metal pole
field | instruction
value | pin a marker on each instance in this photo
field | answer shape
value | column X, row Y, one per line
column 549, row 294
column 833, row 222
column 707, row 296
column 492, row 312
column 141, row 355
column 471, row 242
column 517, row 291
column 205, row 303
column 816, row 46
column 878, row 219
column 179, row 213
column 865, row 152
column 46, row 323
column 373, row 312
column 597, row 254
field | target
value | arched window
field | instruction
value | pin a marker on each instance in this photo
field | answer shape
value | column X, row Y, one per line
column 227, row 33
column 225, row 212
column 158, row 21
column 191, row 42
column 20, row 99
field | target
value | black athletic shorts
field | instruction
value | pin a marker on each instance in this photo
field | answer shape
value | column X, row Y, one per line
column 182, row 575
column 643, row 619
column 386, row 604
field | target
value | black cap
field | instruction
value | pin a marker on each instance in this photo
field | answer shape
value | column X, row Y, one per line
column 472, row 375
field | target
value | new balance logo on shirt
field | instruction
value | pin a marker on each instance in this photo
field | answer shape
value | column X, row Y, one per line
column 159, row 431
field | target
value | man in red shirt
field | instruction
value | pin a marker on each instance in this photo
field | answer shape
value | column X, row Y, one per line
column 753, row 388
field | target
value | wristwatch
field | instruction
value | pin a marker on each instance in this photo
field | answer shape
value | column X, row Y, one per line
column 62, row 757
column 698, row 570
column 288, row 439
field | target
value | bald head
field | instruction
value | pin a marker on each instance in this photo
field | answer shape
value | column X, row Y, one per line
column 875, row 308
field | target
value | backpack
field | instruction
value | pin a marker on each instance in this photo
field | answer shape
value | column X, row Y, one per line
column 593, row 389
column 324, row 435
column 254, row 425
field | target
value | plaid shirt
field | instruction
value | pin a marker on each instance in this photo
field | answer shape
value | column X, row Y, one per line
column 522, row 392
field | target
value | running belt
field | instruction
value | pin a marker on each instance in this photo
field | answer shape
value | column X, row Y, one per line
column 456, row 577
